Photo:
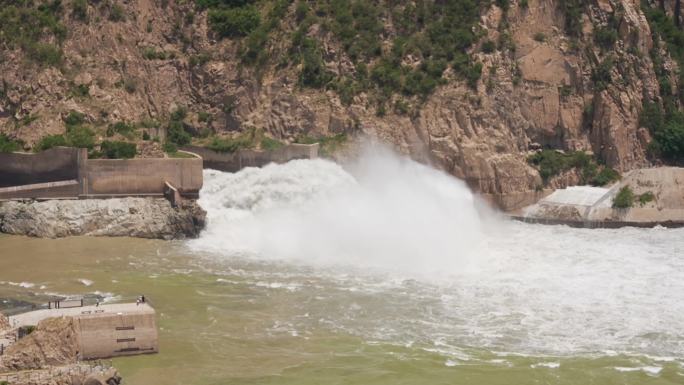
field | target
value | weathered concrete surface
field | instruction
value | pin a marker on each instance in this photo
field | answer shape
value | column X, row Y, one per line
column 134, row 217
column 55, row 164
column 591, row 204
column 142, row 176
column 232, row 162
column 60, row 189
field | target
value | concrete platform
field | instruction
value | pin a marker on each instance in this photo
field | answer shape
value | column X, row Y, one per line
column 34, row 317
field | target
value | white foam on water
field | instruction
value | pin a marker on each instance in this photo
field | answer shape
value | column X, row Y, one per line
column 451, row 271
column 550, row 365
column 85, row 282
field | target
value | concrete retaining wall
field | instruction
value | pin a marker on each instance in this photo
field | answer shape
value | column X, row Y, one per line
column 232, row 162
column 68, row 173
column 118, row 177
column 112, row 335
column 55, row 164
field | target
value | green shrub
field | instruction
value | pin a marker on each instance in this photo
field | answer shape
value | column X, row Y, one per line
column 150, row 53
column 130, row 85
column 80, row 91
column 118, row 150
column 199, row 59
column 176, row 133
column 9, row 145
column 646, row 197
column 170, row 147
column 79, row 9
column 605, row 176
column 624, row 198
column 314, row 74
column 540, row 37
column 205, row 117
column 50, row 141
column 229, row 145
column 605, row 37
column 301, row 10
column 551, row 163
column 123, row 128
column 74, row 118
column 179, row 114
column 601, row 74
column 234, row 22
column 26, row 26
column 116, row 13
column 488, row 46
column 145, row 135
column 221, row 3
column 270, row 144
column 523, row 4
column 80, row 137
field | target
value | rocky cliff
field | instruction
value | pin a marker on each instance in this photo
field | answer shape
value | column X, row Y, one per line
column 132, row 217
column 526, row 74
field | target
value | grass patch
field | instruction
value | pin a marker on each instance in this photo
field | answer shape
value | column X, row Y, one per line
column 118, row 149
column 9, row 145
column 624, row 198
column 646, row 197
column 270, row 144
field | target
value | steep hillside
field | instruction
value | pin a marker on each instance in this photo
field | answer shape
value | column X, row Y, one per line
column 472, row 87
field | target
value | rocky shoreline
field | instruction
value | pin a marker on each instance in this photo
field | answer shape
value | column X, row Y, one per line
column 116, row 217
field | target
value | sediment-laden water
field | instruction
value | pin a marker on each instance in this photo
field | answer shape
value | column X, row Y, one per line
column 385, row 272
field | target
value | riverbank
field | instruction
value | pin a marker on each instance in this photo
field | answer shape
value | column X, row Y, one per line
column 116, row 217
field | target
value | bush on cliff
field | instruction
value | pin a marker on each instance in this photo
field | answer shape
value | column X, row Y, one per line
column 551, row 163
column 624, row 198
column 9, row 145
column 50, row 141
column 118, row 150
column 25, row 25
column 233, row 22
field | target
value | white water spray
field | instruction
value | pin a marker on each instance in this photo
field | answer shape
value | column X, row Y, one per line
column 386, row 212
column 511, row 287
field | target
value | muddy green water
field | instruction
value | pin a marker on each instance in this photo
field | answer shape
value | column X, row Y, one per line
column 239, row 321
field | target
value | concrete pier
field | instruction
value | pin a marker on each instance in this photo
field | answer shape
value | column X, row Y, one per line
column 104, row 331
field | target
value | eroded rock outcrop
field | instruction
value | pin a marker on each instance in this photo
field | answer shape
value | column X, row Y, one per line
column 133, row 217
column 54, row 342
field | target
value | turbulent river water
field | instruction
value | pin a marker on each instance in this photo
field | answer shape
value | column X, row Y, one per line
column 384, row 272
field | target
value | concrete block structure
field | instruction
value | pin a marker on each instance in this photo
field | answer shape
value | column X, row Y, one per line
column 104, row 331
column 64, row 172
column 232, row 162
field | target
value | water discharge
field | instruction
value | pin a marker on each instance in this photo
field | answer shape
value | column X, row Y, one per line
column 381, row 272
column 381, row 212
column 509, row 287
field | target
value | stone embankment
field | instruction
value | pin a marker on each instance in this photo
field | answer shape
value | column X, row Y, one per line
column 49, row 355
column 658, row 199
column 133, row 217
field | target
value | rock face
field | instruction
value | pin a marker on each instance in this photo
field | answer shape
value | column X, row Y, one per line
column 133, row 217
column 538, row 89
column 54, row 342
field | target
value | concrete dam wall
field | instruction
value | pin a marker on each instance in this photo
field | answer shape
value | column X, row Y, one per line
column 232, row 162
column 68, row 173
